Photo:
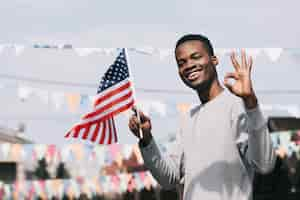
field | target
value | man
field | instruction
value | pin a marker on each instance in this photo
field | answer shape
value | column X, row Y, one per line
column 224, row 140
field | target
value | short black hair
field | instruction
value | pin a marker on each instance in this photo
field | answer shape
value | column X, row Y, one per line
column 198, row 37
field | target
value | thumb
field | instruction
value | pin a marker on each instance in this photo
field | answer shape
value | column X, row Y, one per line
column 142, row 116
column 228, row 84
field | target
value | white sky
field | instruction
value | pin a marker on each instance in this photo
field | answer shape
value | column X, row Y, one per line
column 229, row 23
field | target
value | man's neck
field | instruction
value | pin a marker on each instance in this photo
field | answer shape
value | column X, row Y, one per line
column 211, row 92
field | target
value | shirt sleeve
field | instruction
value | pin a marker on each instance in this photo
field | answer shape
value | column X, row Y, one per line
column 257, row 148
column 168, row 170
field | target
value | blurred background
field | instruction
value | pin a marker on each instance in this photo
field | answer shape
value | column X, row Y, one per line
column 53, row 54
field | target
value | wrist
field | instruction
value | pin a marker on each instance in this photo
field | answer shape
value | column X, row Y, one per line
column 145, row 141
column 250, row 102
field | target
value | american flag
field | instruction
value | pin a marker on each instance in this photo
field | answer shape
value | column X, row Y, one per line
column 114, row 95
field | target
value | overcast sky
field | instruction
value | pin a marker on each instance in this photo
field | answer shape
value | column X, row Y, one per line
column 230, row 23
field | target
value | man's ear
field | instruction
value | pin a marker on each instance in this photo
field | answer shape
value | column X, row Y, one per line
column 215, row 60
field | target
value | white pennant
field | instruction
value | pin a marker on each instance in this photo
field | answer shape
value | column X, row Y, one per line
column 84, row 51
column 58, row 99
column 24, row 92
column 2, row 47
column 163, row 53
column 223, row 51
column 48, row 185
column 273, row 53
column 19, row 49
column 7, row 191
column 92, row 98
column 254, row 52
column 42, row 94
column 37, row 187
column 75, row 188
column 159, row 107
column 144, row 50
column 65, row 153
column 40, row 150
column 127, row 151
column 109, row 51
column 5, row 149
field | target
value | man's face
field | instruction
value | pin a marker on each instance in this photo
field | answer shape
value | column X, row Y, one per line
column 195, row 66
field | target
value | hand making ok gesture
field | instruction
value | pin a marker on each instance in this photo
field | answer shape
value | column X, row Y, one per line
column 242, row 85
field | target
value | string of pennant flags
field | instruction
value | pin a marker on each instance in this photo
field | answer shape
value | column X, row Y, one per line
column 272, row 53
column 106, row 155
column 75, row 102
column 101, row 154
column 72, row 188
column 285, row 142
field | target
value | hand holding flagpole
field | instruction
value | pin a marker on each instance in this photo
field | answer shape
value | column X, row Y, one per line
column 135, row 109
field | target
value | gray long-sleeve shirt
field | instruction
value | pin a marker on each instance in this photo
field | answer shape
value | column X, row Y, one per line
column 219, row 147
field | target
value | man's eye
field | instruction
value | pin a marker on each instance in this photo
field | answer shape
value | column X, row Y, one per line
column 196, row 56
column 180, row 63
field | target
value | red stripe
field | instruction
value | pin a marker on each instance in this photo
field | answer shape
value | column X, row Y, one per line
column 107, row 116
column 109, row 131
column 76, row 131
column 68, row 134
column 115, row 131
column 86, row 133
column 112, row 93
column 95, row 134
column 103, row 133
column 107, row 106
column 101, row 120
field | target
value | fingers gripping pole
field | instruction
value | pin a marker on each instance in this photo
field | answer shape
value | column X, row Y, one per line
column 139, row 121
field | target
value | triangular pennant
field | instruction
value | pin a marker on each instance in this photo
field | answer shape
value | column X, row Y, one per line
column 42, row 94
column 163, row 53
column 19, row 49
column 2, row 47
column 5, row 147
column 73, row 101
column 127, row 151
column 254, row 52
column 183, row 107
column 58, row 99
column 40, row 150
column 24, row 92
column 84, row 51
column 273, row 53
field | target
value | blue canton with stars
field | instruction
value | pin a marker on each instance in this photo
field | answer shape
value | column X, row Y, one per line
column 116, row 73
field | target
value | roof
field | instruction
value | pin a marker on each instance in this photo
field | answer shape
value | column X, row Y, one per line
column 12, row 136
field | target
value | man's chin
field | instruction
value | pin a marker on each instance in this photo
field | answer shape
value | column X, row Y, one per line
column 194, row 85
column 199, row 85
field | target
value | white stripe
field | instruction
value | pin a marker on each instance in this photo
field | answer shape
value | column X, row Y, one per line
column 112, row 98
column 72, row 132
column 105, row 141
column 91, row 132
column 81, row 132
column 112, row 130
column 115, row 107
column 99, row 133
column 107, row 90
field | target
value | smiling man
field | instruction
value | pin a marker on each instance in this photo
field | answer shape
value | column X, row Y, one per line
column 224, row 139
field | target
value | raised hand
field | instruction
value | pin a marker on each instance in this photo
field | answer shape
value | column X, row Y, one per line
column 242, row 85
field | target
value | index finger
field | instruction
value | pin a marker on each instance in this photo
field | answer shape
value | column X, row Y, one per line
column 235, row 63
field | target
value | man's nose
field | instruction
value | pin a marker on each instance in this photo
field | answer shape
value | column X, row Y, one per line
column 190, row 64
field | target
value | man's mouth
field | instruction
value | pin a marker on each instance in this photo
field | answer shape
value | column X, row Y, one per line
column 193, row 75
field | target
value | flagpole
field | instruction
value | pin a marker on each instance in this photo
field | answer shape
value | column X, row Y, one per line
column 134, row 96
